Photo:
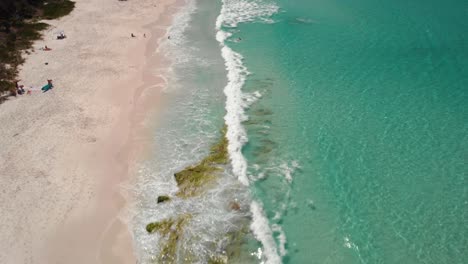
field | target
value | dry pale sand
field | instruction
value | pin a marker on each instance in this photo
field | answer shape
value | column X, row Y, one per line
column 65, row 153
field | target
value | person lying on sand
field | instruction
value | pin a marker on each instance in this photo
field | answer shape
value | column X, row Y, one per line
column 47, row 87
column 132, row 35
column 47, row 48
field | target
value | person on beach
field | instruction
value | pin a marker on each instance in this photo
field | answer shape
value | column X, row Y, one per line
column 132, row 35
column 19, row 88
column 61, row 35
column 144, row 35
column 47, row 87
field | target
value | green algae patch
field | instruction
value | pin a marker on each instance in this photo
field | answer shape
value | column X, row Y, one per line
column 163, row 198
column 193, row 179
column 217, row 260
column 169, row 248
column 219, row 151
column 162, row 227
column 171, row 232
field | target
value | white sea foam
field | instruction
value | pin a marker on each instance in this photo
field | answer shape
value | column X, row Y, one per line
column 232, row 13
column 263, row 233
column 289, row 169
column 235, row 113
column 181, row 22
column 281, row 238
column 241, row 11
column 176, row 44
column 251, row 98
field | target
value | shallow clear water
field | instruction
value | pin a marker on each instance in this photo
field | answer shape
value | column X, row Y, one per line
column 355, row 115
column 369, row 99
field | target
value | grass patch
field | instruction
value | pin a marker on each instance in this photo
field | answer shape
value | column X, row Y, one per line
column 57, row 9
column 193, row 179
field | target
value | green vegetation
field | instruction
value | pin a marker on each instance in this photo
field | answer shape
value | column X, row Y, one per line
column 56, row 9
column 19, row 28
column 163, row 198
column 192, row 179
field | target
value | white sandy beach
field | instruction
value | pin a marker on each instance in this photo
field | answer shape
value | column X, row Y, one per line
column 65, row 153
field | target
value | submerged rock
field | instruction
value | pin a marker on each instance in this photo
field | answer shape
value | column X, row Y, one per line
column 220, row 259
column 163, row 227
column 262, row 112
column 163, row 198
column 235, row 206
column 193, row 179
column 169, row 249
column 171, row 232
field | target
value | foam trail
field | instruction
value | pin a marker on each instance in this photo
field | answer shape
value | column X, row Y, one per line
column 262, row 232
column 282, row 239
column 235, row 114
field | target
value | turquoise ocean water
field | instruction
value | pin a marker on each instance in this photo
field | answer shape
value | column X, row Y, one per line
column 347, row 123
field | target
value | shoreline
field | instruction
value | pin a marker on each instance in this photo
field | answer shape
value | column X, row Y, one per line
column 89, row 131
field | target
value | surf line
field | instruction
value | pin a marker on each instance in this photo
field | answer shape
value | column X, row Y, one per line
column 236, row 104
